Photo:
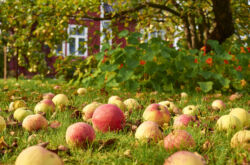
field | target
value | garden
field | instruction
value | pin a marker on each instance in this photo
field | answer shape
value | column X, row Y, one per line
column 173, row 97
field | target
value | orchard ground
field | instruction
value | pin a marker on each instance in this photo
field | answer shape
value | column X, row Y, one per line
column 115, row 148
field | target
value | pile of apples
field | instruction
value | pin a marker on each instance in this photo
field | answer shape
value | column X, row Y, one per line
column 111, row 117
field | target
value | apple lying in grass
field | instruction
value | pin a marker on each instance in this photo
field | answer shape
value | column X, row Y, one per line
column 79, row 134
column 112, row 98
column 21, row 113
column 157, row 113
column 2, row 124
column 46, row 106
column 49, row 96
column 242, row 115
column 131, row 104
column 34, row 122
column 60, row 100
column 88, row 110
column 178, row 139
column 148, row 130
column 81, row 91
column 241, row 140
column 185, row 158
column 184, row 95
column 183, row 121
column 228, row 122
column 108, row 117
column 171, row 106
column 17, row 104
column 218, row 105
column 37, row 155
column 190, row 110
column 119, row 104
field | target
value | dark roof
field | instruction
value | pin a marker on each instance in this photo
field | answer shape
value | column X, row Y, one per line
column 108, row 8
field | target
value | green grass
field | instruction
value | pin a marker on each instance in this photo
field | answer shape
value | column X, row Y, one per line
column 219, row 152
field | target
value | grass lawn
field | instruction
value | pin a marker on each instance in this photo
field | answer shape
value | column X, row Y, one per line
column 122, row 147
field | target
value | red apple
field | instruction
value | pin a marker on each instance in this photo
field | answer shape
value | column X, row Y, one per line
column 185, row 158
column 182, row 121
column 157, row 113
column 37, row 155
column 45, row 106
column 218, row 105
column 79, row 134
column 48, row 96
column 89, row 109
column 108, row 117
column 148, row 130
column 178, row 139
column 34, row 122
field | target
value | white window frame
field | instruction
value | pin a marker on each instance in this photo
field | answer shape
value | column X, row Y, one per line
column 77, row 37
column 154, row 34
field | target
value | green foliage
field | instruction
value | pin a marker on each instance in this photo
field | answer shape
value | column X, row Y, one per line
column 1, row 61
column 154, row 65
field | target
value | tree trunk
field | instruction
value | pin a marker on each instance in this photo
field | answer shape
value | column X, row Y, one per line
column 224, row 20
column 5, row 63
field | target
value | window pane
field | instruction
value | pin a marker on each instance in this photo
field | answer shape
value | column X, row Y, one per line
column 59, row 49
column 81, row 48
column 78, row 30
column 72, row 45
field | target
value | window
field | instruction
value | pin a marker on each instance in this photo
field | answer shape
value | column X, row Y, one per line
column 106, row 32
column 157, row 33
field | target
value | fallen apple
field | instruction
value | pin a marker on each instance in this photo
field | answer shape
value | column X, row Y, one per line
column 17, row 104
column 108, row 117
column 218, row 105
column 183, row 121
column 178, row 139
column 79, row 134
column 46, row 106
column 241, row 114
column 49, row 96
column 34, row 122
column 228, row 122
column 60, row 100
column 119, row 104
column 131, row 104
column 88, row 110
column 148, row 130
column 2, row 124
column 171, row 106
column 241, row 140
column 81, row 91
column 112, row 98
column 157, row 113
column 185, row 158
column 190, row 110
column 37, row 155
column 21, row 113
column 184, row 95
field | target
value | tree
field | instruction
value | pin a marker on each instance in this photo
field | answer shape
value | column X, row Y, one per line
column 196, row 21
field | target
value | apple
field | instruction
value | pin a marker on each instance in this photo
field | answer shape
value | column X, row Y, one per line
column 182, row 121
column 190, row 110
column 228, row 122
column 2, row 124
column 241, row 140
column 131, row 104
column 178, row 139
column 17, row 104
column 148, row 130
column 21, row 113
column 79, row 134
column 119, row 104
column 235, row 96
column 60, row 100
column 241, row 114
column 185, row 158
column 45, row 106
column 170, row 105
column 184, row 95
column 57, row 87
column 218, row 105
column 108, row 117
column 34, row 122
column 37, row 155
column 81, row 91
column 112, row 98
column 157, row 113
column 88, row 110
column 48, row 96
